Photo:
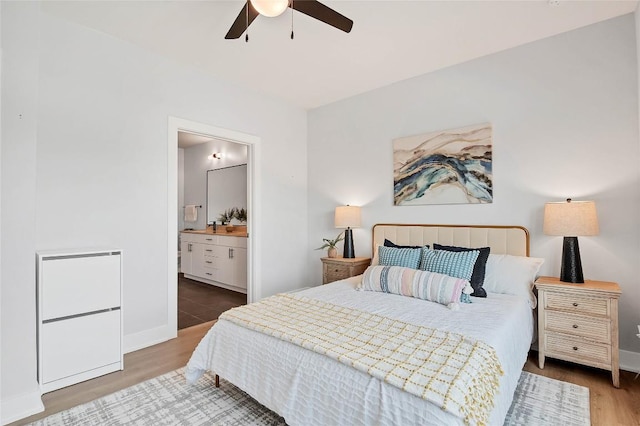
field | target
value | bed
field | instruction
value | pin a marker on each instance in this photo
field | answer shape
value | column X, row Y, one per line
column 309, row 388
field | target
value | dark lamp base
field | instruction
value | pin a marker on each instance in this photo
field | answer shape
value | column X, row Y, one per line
column 571, row 269
column 349, row 252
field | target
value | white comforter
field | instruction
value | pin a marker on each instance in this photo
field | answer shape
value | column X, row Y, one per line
column 307, row 388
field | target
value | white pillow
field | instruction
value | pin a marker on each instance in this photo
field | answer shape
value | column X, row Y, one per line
column 512, row 275
column 376, row 257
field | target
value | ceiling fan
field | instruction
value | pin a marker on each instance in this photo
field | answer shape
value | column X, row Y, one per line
column 272, row 8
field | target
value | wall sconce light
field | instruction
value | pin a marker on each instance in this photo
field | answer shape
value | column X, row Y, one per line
column 216, row 156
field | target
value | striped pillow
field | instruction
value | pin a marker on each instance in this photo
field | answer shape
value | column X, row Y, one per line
column 455, row 264
column 392, row 256
column 424, row 285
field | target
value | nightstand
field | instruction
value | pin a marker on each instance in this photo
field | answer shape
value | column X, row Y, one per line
column 579, row 323
column 339, row 268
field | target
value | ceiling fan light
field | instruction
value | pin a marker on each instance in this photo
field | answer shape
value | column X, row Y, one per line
column 270, row 8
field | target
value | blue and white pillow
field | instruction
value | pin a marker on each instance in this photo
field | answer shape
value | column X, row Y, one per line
column 405, row 257
column 454, row 264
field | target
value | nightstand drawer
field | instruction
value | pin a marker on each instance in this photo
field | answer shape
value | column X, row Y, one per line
column 581, row 305
column 337, row 272
column 577, row 350
column 576, row 325
column 335, row 269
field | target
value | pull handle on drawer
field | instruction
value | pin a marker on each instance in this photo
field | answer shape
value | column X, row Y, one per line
column 575, row 304
column 575, row 348
column 575, row 325
column 208, row 261
column 208, row 273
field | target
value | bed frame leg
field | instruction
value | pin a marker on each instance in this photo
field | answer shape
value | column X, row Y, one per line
column 217, row 381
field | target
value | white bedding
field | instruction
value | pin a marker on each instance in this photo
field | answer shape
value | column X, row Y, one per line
column 307, row 388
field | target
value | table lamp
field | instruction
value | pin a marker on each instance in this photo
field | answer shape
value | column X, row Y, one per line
column 348, row 217
column 571, row 219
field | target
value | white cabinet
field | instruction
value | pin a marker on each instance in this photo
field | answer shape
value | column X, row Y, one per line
column 215, row 259
column 79, row 315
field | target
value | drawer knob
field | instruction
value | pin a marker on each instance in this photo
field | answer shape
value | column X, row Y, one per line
column 336, row 270
column 575, row 304
column 575, row 348
column 575, row 325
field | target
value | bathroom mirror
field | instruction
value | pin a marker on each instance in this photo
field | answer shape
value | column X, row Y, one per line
column 226, row 188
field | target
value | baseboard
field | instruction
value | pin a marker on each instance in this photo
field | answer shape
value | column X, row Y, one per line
column 146, row 338
column 630, row 361
column 21, row 406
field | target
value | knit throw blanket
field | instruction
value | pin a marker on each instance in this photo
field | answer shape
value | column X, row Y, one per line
column 454, row 372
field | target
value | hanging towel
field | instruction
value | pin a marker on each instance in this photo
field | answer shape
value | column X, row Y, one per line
column 190, row 213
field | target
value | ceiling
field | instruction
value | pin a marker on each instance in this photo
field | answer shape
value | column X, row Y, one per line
column 390, row 41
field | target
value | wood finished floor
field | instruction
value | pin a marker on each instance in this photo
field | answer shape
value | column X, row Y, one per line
column 199, row 302
column 609, row 406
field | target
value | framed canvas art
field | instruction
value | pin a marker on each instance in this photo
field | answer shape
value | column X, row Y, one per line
column 446, row 167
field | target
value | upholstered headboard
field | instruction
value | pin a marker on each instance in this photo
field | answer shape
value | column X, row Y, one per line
column 513, row 240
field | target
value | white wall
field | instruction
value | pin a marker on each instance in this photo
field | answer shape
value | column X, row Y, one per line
column 92, row 170
column 565, row 122
column 20, row 37
column 196, row 165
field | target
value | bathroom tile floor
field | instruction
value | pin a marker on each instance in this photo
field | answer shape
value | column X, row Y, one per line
column 199, row 302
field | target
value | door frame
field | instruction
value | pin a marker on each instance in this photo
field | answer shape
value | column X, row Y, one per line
column 254, row 283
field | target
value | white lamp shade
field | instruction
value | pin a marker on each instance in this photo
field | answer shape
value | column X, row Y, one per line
column 571, row 218
column 347, row 217
column 270, row 8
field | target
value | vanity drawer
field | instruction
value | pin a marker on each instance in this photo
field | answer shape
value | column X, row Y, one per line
column 580, row 305
column 592, row 328
column 240, row 242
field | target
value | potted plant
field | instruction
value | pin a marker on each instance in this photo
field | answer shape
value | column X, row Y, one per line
column 226, row 217
column 331, row 245
column 240, row 214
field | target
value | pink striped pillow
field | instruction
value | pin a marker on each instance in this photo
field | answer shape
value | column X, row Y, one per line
column 425, row 285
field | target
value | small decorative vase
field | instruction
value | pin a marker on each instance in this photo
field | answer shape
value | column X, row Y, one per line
column 332, row 252
column 229, row 228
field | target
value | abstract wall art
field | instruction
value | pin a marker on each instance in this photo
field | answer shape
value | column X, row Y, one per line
column 446, row 167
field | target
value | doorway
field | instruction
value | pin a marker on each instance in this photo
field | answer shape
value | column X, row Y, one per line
column 212, row 249
column 252, row 143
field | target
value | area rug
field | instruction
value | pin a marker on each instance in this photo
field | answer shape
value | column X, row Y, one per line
column 168, row 400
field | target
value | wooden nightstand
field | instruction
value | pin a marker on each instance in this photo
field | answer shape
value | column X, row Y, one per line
column 579, row 323
column 339, row 268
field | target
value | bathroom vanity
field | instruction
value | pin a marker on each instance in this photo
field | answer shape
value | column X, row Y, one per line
column 218, row 259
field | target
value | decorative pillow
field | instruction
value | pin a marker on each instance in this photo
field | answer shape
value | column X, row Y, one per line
column 388, row 243
column 376, row 256
column 512, row 275
column 424, row 285
column 455, row 264
column 477, row 277
column 406, row 257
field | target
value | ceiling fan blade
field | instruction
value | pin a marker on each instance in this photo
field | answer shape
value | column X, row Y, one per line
column 240, row 25
column 319, row 11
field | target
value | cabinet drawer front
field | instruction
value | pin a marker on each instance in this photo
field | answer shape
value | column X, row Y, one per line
column 204, row 238
column 582, row 305
column 577, row 350
column 336, row 272
column 76, row 285
column 592, row 328
column 79, row 344
column 240, row 242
